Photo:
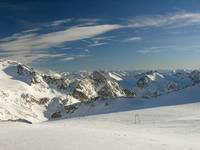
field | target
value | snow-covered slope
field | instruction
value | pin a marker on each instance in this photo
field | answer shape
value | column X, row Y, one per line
column 24, row 94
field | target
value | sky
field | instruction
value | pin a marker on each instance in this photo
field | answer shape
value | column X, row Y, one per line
column 73, row 35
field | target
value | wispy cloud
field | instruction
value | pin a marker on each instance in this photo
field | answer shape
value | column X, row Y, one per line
column 31, row 30
column 174, row 19
column 104, row 38
column 131, row 39
column 78, row 22
column 148, row 51
column 86, row 50
column 21, row 45
column 97, row 43
column 155, row 49
column 66, row 48
column 60, row 22
column 44, row 41
column 70, row 58
column 28, row 57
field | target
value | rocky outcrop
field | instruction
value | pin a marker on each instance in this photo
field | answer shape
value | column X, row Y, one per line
column 171, row 86
column 143, row 82
column 31, row 76
column 195, row 76
column 56, row 114
column 60, row 83
column 97, row 85
column 130, row 93
column 106, row 86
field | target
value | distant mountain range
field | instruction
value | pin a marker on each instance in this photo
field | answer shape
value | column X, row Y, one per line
column 30, row 96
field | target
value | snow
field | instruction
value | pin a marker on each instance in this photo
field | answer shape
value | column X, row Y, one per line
column 154, row 76
column 115, row 76
column 12, row 87
column 89, row 90
column 169, row 122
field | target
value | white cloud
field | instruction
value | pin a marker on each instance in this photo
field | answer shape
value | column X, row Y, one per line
column 33, row 44
column 152, row 50
column 131, row 39
column 105, row 38
column 68, row 58
column 148, row 51
column 156, row 49
column 28, row 57
column 31, row 30
column 79, row 22
column 97, row 43
column 60, row 22
column 86, row 50
column 179, row 18
column 48, row 40
column 66, row 48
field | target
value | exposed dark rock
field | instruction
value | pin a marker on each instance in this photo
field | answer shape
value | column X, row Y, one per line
column 56, row 114
column 44, row 100
column 21, row 120
column 149, row 95
column 29, row 98
column 195, row 76
column 171, row 86
column 129, row 93
column 71, row 108
column 60, row 83
column 29, row 73
column 143, row 82
column 79, row 95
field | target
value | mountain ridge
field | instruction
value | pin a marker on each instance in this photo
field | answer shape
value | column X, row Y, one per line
column 29, row 95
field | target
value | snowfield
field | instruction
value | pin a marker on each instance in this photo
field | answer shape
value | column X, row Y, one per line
column 169, row 122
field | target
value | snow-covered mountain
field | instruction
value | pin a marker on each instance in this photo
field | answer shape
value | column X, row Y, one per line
column 153, row 83
column 28, row 95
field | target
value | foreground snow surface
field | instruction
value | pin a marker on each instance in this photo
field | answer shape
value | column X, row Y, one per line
column 170, row 126
column 166, row 128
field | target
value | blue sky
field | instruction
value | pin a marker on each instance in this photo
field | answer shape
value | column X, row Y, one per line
column 107, row 34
